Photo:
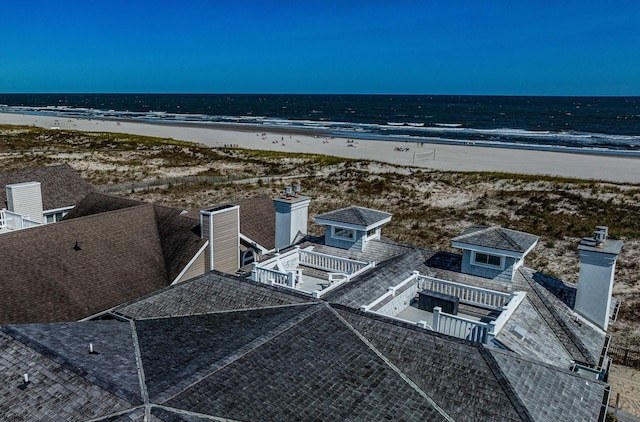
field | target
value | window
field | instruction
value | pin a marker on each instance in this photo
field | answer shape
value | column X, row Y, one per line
column 343, row 233
column 485, row 259
column 372, row 232
column 57, row 216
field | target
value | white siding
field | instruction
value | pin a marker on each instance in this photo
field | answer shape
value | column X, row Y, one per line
column 25, row 199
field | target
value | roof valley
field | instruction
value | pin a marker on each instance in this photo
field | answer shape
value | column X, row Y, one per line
column 506, row 385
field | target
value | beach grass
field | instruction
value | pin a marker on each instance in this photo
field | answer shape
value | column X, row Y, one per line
column 429, row 207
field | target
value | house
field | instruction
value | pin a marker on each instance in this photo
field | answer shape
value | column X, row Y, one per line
column 221, row 347
column 344, row 326
column 486, row 294
column 39, row 195
column 106, row 251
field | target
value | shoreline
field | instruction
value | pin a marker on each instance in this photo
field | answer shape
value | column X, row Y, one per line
column 446, row 156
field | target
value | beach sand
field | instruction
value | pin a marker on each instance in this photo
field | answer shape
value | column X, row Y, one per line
column 432, row 156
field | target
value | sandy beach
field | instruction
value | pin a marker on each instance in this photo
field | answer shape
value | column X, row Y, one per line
column 432, row 156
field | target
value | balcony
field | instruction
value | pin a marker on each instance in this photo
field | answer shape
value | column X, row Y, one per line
column 10, row 220
column 307, row 271
column 482, row 313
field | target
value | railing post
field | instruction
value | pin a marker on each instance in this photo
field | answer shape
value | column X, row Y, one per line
column 436, row 318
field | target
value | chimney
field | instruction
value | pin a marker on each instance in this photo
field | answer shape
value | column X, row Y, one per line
column 598, row 257
column 292, row 212
column 25, row 199
column 221, row 227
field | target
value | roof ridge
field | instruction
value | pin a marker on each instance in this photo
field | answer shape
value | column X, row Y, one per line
column 579, row 346
column 391, row 365
column 505, row 383
column 507, row 237
column 185, row 384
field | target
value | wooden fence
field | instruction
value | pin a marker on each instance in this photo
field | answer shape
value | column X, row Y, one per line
column 624, row 356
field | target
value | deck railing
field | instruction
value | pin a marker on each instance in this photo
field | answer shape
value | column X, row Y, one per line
column 267, row 276
column 457, row 326
column 470, row 295
column 13, row 221
column 331, row 263
column 453, row 325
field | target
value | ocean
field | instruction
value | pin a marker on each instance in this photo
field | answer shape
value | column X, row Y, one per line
column 587, row 123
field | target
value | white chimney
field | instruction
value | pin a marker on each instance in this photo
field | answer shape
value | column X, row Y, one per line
column 292, row 213
column 26, row 199
column 598, row 257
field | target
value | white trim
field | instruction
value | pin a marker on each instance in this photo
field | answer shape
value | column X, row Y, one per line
column 186, row 267
column 352, row 226
column 56, row 210
column 254, row 244
column 492, row 251
column 335, row 236
column 376, row 233
column 486, row 265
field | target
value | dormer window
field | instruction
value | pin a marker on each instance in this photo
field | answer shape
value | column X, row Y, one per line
column 352, row 227
column 343, row 233
column 487, row 260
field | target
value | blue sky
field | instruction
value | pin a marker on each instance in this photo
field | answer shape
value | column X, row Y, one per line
column 520, row 47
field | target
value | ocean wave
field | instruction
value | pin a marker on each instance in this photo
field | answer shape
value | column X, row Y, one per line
column 402, row 130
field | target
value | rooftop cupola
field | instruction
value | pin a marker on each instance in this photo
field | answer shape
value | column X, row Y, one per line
column 352, row 227
column 598, row 257
column 292, row 210
column 493, row 252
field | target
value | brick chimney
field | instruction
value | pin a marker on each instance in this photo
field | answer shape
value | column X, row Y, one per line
column 598, row 257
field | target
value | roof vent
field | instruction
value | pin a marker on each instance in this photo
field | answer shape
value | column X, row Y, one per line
column 91, row 351
column 25, row 382
column 520, row 332
column 77, row 247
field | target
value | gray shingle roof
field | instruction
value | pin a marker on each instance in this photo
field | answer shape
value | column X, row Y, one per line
column 61, row 185
column 293, row 362
column 369, row 286
column 124, row 254
column 549, row 394
column 359, row 216
column 54, row 391
column 497, row 238
column 210, row 292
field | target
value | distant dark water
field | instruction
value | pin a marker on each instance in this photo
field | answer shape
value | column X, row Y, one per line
column 611, row 123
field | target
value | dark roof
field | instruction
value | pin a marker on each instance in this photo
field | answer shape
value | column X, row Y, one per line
column 497, row 238
column 124, row 254
column 369, row 286
column 210, row 292
column 97, row 203
column 358, row 216
column 258, row 220
column 61, row 185
column 311, row 361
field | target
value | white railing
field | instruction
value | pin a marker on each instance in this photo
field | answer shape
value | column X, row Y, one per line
column 467, row 294
column 507, row 311
column 267, row 276
column 14, row 221
column 331, row 263
column 460, row 327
